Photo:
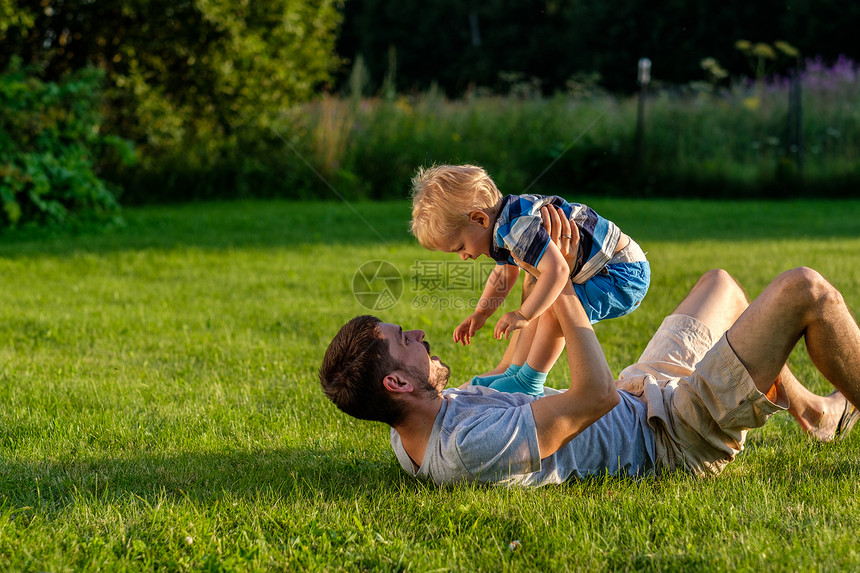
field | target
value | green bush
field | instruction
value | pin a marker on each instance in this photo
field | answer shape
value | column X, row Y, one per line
column 247, row 164
column 50, row 144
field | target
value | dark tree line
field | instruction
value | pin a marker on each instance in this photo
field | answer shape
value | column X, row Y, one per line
column 462, row 44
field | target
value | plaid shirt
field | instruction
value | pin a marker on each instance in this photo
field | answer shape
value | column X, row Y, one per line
column 518, row 231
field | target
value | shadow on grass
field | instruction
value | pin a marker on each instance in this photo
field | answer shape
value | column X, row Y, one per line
column 293, row 474
column 225, row 225
column 297, row 475
column 262, row 224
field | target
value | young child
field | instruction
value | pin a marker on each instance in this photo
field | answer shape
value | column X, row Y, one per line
column 459, row 209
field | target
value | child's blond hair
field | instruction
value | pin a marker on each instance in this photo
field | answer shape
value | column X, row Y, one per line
column 442, row 198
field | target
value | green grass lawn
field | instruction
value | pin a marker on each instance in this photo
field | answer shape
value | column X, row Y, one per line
column 160, row 405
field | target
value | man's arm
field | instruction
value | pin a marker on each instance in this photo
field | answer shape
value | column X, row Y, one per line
column 552, row 275
column 592, row 391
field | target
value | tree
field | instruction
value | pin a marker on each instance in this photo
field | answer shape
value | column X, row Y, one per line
column 180, row 69
column 551, row 40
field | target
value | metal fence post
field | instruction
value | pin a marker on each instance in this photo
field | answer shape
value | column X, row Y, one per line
column 643, row 78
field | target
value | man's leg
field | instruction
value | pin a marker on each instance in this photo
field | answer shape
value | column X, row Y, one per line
column 717, row 300
column 799, row 303
column 818, row 416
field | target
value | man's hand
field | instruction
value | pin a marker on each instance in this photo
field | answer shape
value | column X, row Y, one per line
column 467, row 329
column 509, row 323
column 563, row 234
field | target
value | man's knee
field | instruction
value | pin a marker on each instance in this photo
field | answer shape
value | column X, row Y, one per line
column 718, row 277
column 806, row 287
column 719, row 280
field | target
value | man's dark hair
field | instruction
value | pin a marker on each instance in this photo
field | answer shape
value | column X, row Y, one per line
column 352, row 370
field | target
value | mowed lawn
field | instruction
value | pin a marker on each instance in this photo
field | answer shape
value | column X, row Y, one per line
column 161, row 407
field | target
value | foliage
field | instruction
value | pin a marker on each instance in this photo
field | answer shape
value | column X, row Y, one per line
column 459, row 45
column 219, row 96
column 50, row 142
column 762, row 57
column 698, row 141
column 186, row 71
column 740, row 137
column 12, row 17
column 215, row 95
column 161, row 409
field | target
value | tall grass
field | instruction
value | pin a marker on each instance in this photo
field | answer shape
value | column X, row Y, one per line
column 711, row 144
column 729, row 142
column 741, row 135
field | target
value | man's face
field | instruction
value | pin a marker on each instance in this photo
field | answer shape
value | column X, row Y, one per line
column 410, row 350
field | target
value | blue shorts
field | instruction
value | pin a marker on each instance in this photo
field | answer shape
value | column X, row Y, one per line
column 616, row 290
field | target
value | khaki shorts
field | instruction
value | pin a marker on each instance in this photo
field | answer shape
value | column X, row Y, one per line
column 701, row 401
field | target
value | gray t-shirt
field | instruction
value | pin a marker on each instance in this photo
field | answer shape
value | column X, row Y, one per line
column 481, row 435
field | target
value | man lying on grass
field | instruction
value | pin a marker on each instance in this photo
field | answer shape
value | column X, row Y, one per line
column 714, row 369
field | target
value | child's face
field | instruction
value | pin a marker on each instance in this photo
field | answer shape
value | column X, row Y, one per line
column 473, row 240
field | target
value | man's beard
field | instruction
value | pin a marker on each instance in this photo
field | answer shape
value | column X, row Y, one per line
column 427, row 386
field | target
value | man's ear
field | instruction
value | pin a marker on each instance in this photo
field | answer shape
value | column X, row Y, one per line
column 479, row 217
column 395, row 382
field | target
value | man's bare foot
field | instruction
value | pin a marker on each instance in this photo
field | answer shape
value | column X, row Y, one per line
column 849, row 418
column 838, row 417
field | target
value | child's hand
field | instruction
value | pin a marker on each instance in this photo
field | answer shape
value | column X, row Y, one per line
column 509, row 323
column 467, row 329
